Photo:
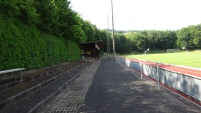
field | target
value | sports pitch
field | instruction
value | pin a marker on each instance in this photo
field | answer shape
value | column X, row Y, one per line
column 190, row 59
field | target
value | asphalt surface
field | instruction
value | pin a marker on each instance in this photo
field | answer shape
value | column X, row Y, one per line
column 119, row 90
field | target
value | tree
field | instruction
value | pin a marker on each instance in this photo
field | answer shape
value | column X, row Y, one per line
column 89, row 31
column 103, row 35
column 57, row 18
column 196, row 34
column 166, row 39
column 122, row 44
column 170, row 39
column 132, row 36
column 27, row 12
column 9, row 8
column 138, row 40
column 184, row 38
column 142, row 41
column 152, row 39
column 48, row 16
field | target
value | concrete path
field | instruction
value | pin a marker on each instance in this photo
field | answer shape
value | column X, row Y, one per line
column 118, row 90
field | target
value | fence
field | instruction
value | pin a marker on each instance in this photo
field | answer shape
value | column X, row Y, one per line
column 173, row 50
column 186, row 84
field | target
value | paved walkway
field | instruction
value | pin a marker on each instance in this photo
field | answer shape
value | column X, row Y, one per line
column 115, row 89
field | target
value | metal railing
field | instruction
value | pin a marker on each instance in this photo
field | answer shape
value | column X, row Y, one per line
column 186, row 84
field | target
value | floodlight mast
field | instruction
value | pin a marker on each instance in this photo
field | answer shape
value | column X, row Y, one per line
column 108, row 39
column 113, row 41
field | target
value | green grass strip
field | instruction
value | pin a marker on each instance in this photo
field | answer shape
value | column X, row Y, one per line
column 191, row 59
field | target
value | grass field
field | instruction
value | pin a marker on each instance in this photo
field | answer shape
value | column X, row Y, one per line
column 191, row 59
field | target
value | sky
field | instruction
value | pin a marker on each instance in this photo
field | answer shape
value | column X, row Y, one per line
column 140, row 14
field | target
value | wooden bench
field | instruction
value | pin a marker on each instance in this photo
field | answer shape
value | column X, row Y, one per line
column 12, row 71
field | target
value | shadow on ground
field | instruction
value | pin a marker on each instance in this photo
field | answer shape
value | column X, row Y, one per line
column 118, row 90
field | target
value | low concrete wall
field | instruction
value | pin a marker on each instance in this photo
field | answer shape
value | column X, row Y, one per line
column 186, row 84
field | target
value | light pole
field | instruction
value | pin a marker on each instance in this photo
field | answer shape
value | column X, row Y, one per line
column 113, row 41
column 108, row 39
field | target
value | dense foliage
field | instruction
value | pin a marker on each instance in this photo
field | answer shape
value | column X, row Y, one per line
column 35, row 33
column 23, row 46
column 142, row 40
column 54, row 17
column 122, row 44
column 188, row 38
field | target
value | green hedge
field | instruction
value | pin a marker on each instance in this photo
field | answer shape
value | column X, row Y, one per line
column 25, row 46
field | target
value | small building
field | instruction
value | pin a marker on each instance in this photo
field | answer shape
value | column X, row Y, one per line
column 91, row 49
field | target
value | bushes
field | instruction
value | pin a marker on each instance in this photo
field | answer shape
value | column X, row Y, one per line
column 25, row 46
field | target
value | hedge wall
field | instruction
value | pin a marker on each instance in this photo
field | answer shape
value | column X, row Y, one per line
column 25, row 46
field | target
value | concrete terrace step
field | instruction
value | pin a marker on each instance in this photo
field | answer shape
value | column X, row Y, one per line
column 5, row 104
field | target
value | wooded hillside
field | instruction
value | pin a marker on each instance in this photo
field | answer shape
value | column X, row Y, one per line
column 188, row 37
column 35, row 33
